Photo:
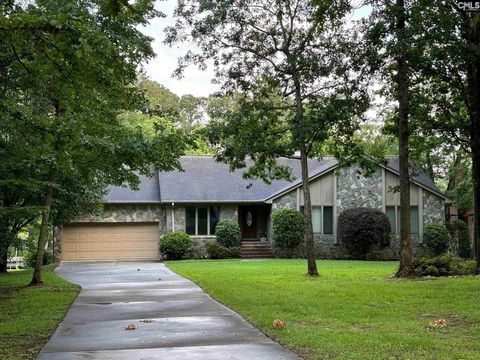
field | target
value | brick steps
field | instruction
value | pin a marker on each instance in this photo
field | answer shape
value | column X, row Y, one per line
column 256, row 250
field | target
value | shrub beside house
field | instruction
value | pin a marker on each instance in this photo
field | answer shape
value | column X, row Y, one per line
column 206, row 192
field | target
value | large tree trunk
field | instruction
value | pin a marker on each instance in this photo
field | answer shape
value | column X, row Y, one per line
column 5, row 241
column 3, row 255
column 310, row 244
column 429, row 164
column 42, row 238
column 406, row 256
column 473, row 75
column 307, row 204
column 476, row 204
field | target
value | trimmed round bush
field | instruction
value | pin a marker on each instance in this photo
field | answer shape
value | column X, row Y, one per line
column 361, row 228
column 437, row 238
column 288, row 228
column 175, row 245
column 228, row 233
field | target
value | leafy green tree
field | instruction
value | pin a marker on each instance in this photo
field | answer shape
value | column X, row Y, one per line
column 460, row 185
column 444, row 58
column 192, row 113
column 375, row 142
column 451, row 39
column 402, row 80
column 186, row 111
column 283, row 63
column 75, row 65
column 390, row 51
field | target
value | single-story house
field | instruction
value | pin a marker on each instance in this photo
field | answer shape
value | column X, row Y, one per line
column 206, row 192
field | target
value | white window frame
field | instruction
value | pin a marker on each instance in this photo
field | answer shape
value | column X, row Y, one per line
column 196, row 219
column 397, row 219
column 322, row 220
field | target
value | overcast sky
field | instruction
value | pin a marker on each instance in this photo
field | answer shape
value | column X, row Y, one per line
column 160, row 69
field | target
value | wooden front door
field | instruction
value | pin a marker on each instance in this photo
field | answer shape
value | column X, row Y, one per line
column 248, row 222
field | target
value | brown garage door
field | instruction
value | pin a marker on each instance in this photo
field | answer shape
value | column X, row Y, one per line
column 123, row 241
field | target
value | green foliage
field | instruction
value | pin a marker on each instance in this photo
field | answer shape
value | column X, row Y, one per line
column 279, row 82
column 29, row 258
column 175, row 245
column 375, row 143
column 461, row 184
column 288, row 228
column 68, row 68
column 28, row 245
column 185, row 111
column 444, row 265
column 361, row 228
column 459, row 228
column 228, row 233
column 437, row 238
column 218, row 251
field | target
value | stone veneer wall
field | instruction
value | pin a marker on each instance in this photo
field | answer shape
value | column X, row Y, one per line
column 179, row 216
column 356, row 190
column 287, row 201
column 433, row 208
column 229, row 212
column 116, row 213
column 113, row 213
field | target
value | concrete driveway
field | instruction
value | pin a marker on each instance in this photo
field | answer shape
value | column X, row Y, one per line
column 185, row 322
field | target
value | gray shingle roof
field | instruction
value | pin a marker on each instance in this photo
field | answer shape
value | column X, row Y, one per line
column 418, row 174
column 148, row 192
column 205, row 180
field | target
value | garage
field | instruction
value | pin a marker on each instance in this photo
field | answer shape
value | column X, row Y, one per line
column 110, row 241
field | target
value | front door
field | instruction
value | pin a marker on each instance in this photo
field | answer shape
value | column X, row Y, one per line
column 248, row 222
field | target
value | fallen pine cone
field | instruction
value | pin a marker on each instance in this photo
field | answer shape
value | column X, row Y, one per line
column 437, row 324
column 278, row 324
column 131, row 327
column 146, row 321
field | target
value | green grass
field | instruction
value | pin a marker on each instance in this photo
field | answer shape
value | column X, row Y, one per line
column 30, row 315
column 352, row 311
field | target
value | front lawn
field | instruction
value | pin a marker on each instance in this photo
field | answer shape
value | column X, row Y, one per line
column 29, row 316
column 352, row 311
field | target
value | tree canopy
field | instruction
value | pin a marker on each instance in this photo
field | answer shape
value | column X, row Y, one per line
column 70, row 69
column 288, row 73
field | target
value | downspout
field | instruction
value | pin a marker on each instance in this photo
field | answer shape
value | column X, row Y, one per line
column 173, row 217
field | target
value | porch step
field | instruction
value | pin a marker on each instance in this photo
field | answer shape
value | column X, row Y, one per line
column 255, row 249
